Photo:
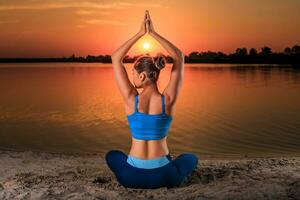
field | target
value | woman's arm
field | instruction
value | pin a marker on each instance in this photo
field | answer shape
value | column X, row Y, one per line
column 127, row 89
column 177, row 72
column 174, row 52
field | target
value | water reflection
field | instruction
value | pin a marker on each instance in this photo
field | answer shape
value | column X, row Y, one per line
column 222, row 110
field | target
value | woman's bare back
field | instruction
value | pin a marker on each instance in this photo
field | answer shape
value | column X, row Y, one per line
column 149, row 149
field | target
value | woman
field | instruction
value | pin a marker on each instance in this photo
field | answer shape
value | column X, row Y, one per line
column 149, row 164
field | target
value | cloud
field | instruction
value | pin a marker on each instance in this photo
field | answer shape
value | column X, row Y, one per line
column 149, row 5
column 80, row 4
column 89, row 12
column 81, row 26
column 84, row 12
column 105, row 13
column 73, row 4
column 9, row 21
column 102, row 21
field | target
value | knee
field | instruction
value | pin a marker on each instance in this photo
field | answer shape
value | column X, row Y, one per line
column 194, row 158
column 110, row 155
column 191, row 158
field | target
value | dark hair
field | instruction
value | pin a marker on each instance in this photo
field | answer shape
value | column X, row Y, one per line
column 150, row 65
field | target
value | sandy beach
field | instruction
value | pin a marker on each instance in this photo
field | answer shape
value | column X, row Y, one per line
column 38, row 175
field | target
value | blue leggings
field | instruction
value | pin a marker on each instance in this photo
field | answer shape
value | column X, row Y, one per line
column 169, row 175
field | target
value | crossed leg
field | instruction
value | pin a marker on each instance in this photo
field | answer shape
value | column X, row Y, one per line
column 186, row 163
column 115, row 159
column 182, row 166
column 177, row 170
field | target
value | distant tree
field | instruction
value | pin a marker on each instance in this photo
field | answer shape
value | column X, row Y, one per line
column 81, row 58
column 253, row 52
column 221, row 54
column 241, row 51
column 296, row 49
column 106, row 59
column 72, row 56
column 288, row 50
column 266, row 51
column 194, row 54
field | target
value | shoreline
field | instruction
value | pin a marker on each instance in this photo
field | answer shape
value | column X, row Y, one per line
column 51, row 175
column 202, row 156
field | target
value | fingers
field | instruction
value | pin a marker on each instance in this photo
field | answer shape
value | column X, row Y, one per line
column 147, row 26
column 145, row 16
column 147, row 21
column 148, row 15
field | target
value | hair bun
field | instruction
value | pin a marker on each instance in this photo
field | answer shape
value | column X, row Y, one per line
column 160, row 62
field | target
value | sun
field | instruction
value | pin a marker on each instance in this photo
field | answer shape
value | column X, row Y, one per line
column 146, row 45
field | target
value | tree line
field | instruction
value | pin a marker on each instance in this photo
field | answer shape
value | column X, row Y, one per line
column 243, row 55
column 290, row 55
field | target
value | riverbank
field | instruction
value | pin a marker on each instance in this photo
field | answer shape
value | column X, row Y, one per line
column 36, row 175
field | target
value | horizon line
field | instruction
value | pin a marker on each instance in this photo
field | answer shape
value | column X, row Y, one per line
column 194, row 51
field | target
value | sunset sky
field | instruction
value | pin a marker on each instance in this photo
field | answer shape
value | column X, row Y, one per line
column 33, row 28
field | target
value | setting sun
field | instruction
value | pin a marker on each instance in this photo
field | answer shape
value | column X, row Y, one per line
column 146, row 45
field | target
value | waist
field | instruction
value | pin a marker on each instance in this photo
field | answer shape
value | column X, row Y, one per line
column 150, row 163
column 148, row 149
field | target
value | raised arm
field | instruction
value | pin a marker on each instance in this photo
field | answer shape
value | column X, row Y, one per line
column 126, row 88
column 177, row 72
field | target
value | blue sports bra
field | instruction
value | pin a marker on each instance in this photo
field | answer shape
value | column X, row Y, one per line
column 145, row 126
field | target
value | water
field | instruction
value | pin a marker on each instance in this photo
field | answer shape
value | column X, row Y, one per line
column 222, row 110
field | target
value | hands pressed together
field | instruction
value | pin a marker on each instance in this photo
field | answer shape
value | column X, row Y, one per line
column 147, row 25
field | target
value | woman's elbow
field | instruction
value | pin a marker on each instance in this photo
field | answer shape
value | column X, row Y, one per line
column 113, row 56
column 178, row 55
column 116, row 58
column 179, row 58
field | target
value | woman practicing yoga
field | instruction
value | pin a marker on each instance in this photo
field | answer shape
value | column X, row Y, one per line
column 149, row 163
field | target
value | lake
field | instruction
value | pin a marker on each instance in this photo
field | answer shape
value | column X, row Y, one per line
column 222, row 110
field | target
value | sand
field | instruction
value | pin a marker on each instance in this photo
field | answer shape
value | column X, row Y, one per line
column 38, row 175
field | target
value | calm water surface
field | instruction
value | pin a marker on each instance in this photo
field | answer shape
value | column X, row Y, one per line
column 222, row 110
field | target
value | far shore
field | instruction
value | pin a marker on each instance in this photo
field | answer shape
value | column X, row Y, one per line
column 41, row 175
column 40, row 61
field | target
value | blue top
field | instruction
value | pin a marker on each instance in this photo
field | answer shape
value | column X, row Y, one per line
column 145, row 126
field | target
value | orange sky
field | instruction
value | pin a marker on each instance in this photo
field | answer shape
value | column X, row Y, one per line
column 60, row 28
